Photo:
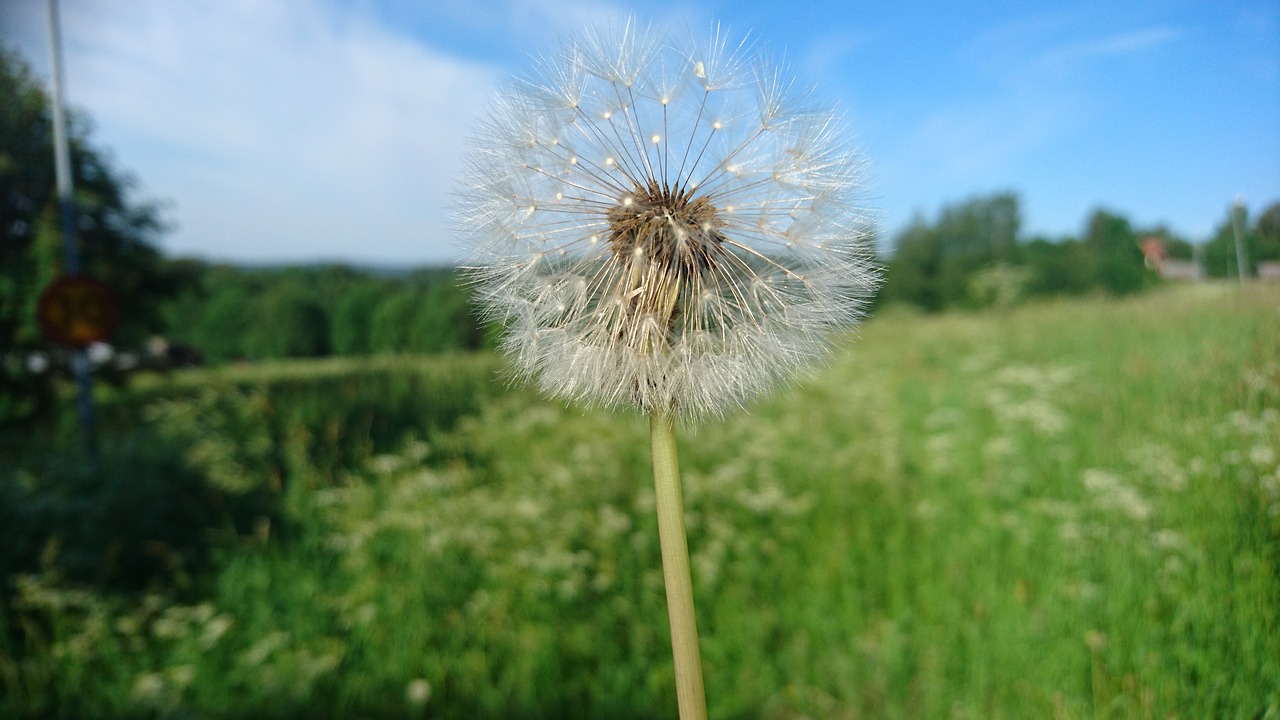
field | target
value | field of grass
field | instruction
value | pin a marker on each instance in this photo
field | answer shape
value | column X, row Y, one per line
column 1068, row 510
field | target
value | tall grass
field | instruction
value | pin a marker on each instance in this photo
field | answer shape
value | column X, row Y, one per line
column 1068, row 510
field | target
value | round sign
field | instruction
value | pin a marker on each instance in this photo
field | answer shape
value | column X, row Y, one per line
column 77, row 310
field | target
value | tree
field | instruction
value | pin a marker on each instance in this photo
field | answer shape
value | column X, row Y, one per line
column 26, row 185
column 1119, row 267
column 223, row 323
column 934, row 264
column 910, row 275
column 290, row 323
column 1266, row 236
column 115, row 233
column 1058, row 267
column 444, row 320
column 1220, row 257
column 390, row 327
column 1261, row 242
column 352, row 318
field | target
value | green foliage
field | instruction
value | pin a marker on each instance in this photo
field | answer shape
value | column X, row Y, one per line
column 1060, row 510
column 972, row 257
column 933, row 265
column 317, row 417
column 392, row 322
column 137, row 514
column 352, row 318
column 221, row 326
column 999, row 285
column 444, row 320
column 290, row 323
column 1060, row 267
column 116, row 238
column 272, row 313
column 1266, row 235
column 1261, row 242
column 1117, row 260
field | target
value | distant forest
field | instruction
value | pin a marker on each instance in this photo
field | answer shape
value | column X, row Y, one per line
column 233, row 313
column 975, row 255
column 971, row 256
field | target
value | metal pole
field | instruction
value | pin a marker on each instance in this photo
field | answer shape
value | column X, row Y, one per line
column 67, row 210
column 1236, row 211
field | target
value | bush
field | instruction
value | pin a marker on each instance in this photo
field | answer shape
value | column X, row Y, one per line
column 141, row 513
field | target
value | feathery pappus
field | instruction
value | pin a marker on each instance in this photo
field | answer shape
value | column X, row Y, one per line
column 670, row 227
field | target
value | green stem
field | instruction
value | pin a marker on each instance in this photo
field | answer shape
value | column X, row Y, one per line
column 675, row 569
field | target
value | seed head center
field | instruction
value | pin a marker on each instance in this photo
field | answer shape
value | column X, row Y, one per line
column 672, row 230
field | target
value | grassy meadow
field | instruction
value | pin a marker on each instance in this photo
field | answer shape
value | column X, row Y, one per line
column 1065, row 510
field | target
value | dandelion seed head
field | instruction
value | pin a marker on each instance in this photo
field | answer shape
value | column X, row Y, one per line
column 646, row 241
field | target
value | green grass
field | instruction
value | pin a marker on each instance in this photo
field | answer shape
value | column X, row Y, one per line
column 1068, row 510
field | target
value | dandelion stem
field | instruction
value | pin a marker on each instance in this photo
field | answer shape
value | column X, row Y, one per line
column 675, row 568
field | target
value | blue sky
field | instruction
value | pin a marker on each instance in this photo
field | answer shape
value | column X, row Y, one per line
column 321, row 130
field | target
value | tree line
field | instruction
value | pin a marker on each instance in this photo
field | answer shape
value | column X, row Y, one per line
column 971, row 256
column 974, row 255
column 236, row 313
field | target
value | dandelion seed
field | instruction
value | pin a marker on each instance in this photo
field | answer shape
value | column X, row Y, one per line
column 677, row 206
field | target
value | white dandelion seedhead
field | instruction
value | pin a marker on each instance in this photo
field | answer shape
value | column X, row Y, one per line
column 664, row 228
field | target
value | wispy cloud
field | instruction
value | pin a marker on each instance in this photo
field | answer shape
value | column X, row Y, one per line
column 1058, row 44
column 1131, row 42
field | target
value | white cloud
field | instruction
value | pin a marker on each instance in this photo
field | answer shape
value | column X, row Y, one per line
column 1069, row 55
column 286, row 130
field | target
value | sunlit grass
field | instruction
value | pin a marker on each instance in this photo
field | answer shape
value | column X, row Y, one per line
column 1068, row 510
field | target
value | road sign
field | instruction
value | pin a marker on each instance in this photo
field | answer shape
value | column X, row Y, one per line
column 77, row 310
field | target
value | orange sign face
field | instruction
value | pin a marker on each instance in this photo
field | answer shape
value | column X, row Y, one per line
column 76, row 310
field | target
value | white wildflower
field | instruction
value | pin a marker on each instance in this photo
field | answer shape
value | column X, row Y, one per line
column 927, row 509
column 181, row 676
column 258, row 653
column 417, row 692
column 385, row 464
column 1262, row 456
column 148, row 688
column 1070, row 531
column 664, row 228
column 998, row 448
column 214, row 629
column 613, row 521
column 1168, row 540
column 1112, row 493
